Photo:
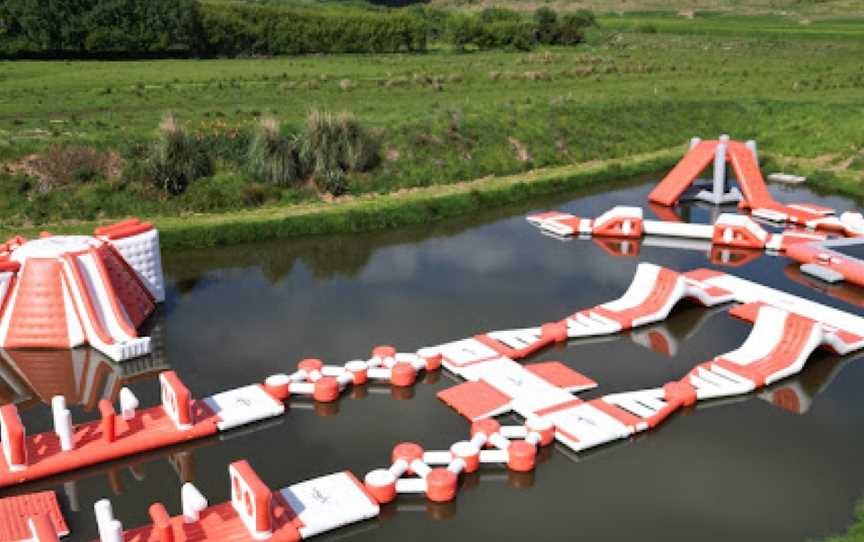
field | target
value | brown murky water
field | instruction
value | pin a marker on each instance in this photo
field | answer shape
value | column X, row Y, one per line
column 747, row 469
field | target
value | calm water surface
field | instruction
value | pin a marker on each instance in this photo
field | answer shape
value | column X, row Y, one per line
column 737, row 470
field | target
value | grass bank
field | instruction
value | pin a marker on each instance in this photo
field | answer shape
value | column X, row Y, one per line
column 443, row 117
column 373, row 212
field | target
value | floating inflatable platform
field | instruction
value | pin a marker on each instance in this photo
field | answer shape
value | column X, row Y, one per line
column 786, row 330
column 729, row 230
column 68, row 290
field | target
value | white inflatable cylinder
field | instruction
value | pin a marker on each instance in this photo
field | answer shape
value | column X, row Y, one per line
column 398, row 468
column 379, row 373
column 193, row 502
column 110, row 530
column 674, row 229
column 534, row 438
column 297, row 376
column 411, row 485
column 420, row 468
column 498, row 440
column 719, row 172
column 694, row 141
column 478, row 440
column 437, row 457
column 344, row 378
column 62, row 421
column 724, row 138
column 332, row 370
column 494, row 456
column 58, row 405
column 64, row 430
column 301, row 388
column 456, row 466
column 128, row 403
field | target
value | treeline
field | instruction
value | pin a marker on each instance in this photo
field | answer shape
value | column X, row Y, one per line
column 156, row 28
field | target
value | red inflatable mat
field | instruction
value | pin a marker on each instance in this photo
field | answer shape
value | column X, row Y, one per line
column 15, row 511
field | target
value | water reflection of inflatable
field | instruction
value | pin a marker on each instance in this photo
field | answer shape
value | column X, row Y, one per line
column 83, row 376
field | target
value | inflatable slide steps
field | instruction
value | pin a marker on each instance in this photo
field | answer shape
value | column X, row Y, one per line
column 181, row 418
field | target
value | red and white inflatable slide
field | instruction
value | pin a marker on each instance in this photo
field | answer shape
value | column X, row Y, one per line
column 65, row 291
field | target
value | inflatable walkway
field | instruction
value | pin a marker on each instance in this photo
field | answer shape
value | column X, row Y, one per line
column 729, row 230
column 66, row 291
column 786, row 330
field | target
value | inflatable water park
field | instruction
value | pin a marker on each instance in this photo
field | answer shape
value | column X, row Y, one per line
column 60, row 292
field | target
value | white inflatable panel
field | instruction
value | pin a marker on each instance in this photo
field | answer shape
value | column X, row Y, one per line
column 243, row 405
column 530, row 393
column 142, row 253
column 465, row 352
column 329, row 502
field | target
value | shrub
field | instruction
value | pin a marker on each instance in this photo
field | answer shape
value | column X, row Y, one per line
column 571, row 26
column 273, row 155
column 177, row 158
column 332, row 145
column 546, row 20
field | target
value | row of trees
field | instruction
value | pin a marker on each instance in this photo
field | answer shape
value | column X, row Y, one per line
column 136, row 28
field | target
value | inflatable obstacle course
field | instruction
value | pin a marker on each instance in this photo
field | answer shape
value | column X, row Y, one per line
column 68, row 290
column 786, row 330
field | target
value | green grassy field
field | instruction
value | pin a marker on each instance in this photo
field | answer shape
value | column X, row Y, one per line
column 443, row 116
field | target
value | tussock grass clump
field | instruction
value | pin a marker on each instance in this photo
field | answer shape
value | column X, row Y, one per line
column 273, row 155
column 333, row 145
column 177, row 158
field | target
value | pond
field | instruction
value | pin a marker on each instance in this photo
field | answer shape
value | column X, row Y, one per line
column 745, row 469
